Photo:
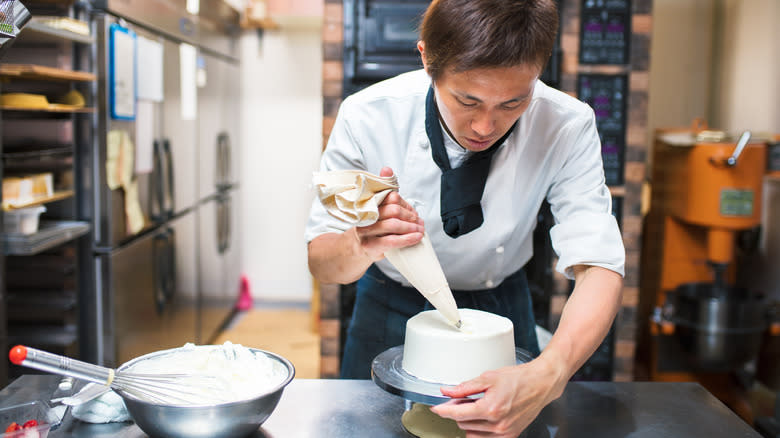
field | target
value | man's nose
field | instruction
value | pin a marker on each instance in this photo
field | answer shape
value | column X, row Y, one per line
column 483, row 124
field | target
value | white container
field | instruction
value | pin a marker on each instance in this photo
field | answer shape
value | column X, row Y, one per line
column 22, row 220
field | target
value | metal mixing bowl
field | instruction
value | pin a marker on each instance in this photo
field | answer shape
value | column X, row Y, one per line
column 236, row 419
column 720, row 329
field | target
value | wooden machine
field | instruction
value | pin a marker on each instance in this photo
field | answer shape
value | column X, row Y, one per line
column 704, row 326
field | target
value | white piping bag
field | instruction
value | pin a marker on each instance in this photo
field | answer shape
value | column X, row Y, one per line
column 420, row 266
column 353, row 196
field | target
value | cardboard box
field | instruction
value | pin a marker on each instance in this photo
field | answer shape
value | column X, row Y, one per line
column 18, row 190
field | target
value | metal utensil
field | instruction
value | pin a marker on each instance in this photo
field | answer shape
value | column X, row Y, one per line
column 87, row 393
column 154, row 388
column 233, row 420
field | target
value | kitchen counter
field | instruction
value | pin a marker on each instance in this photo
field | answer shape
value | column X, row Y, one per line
column 359, row 408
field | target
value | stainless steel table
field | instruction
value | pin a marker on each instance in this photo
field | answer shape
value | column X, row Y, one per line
column 358, row 408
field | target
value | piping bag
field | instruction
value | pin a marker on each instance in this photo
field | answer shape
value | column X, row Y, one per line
column 353, row 196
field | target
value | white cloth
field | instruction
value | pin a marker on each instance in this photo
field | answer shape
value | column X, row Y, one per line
column 108, row 408
column 353, row 196
column 554, row 153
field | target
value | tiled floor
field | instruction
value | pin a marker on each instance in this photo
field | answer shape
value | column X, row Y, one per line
column 286, row 331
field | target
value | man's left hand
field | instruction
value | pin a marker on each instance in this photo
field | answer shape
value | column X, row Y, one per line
column 513, row 397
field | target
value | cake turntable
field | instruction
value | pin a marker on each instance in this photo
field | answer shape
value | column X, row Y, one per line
column 387, row 373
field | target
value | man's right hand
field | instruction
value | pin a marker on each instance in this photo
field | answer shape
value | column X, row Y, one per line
column 398, row 226
column 344, row 257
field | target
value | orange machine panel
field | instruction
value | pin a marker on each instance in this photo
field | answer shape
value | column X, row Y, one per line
column 704, row 190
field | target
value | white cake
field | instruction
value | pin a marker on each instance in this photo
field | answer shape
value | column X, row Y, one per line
column 435, row 351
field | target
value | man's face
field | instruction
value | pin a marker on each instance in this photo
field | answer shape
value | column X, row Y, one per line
column 479, row 106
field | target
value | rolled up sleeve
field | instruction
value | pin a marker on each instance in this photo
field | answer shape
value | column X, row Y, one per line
column 586, row 232
column 588, row 239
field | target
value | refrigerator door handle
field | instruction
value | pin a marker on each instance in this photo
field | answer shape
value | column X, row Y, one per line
column 228, row 230
column 171, row 179
column 157, row 195
column 220, row 226
column 171, row 286
column 220, row 168
column 228, row 174
column 160, row 260
column 223, row 161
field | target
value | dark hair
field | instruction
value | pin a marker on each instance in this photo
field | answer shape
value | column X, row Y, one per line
column 467, row 34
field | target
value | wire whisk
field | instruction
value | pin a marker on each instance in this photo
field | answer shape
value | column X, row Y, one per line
column 163, row 389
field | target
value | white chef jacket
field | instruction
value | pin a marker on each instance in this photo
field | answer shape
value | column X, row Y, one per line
column 554, row 152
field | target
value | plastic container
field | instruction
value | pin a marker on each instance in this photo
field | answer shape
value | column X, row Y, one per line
column 22, row 220
column 20, row 414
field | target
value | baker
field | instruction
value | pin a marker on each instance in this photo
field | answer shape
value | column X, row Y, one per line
column 477, row 143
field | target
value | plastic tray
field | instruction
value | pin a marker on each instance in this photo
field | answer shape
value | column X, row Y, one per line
column 22, row 221
column 19, row 414
column 49, row 235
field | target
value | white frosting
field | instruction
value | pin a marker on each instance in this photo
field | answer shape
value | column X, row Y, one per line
column 435, row 351
column 242, row 373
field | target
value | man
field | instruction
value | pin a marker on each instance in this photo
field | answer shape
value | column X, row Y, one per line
column 477, row 143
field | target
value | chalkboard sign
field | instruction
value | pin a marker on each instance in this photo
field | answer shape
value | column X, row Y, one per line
column 605, row 32
column 607, row 95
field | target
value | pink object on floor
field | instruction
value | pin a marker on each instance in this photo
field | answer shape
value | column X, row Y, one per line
column 244, row 297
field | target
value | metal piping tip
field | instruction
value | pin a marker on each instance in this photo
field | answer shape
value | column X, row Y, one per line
column 458, row 324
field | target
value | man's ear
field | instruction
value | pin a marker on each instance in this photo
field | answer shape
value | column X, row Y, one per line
column 421, row 48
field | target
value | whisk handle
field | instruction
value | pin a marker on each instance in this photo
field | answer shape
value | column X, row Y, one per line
column 62, row 365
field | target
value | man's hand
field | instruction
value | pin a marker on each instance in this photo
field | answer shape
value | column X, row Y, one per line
column 344, row 257
column 398, row 226
column 513, row 397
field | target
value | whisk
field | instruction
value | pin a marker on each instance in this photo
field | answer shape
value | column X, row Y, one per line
column 164, row 389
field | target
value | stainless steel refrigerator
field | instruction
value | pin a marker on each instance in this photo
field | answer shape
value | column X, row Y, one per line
column 219, row 192
column 174, row 279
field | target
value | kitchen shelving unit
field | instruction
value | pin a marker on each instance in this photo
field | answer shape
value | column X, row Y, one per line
column 37, row 32
column 39, row 284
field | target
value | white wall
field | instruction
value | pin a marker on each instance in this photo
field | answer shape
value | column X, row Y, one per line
column 750, row 66
column 680, row 63
column 281, row 82
column 718, row 60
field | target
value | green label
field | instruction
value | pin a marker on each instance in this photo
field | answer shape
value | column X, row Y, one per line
column 736, row 202
column 7, row 28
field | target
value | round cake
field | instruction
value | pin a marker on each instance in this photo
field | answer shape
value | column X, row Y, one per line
column 435, row 351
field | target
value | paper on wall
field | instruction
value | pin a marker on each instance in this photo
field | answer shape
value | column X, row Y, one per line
column 123, row 73
column 126, row 160
column 144, row 137
column 120, row 164
column 188, row 64
column 135, row 216
column 113, row 146
column 150, row 77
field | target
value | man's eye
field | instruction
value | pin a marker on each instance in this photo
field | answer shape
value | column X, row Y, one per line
column 466, row 104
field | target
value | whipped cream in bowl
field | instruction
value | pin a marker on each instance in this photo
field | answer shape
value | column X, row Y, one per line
column 210, row 374
column 231, row 390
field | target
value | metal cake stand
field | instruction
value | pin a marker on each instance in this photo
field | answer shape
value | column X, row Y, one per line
column 387, row 373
